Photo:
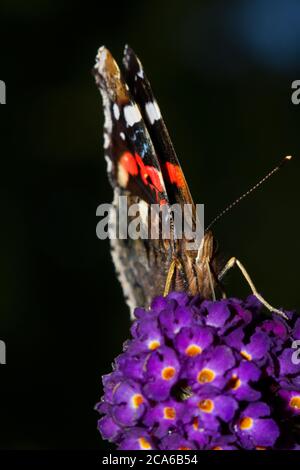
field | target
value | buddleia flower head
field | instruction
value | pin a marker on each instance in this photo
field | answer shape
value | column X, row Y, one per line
column 201, row 374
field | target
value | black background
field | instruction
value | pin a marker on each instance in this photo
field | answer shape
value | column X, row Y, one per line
column 222, row 73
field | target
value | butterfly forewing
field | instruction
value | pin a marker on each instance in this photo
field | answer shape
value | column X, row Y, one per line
column 134, row 170
column 132, row 162
column 140, row 88
column 142, row 164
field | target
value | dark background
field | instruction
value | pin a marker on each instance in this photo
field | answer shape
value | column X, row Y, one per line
column 222, row 73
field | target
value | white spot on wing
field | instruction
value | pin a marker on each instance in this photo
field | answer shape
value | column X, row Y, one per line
column 106, row 140
column 109, row 164
column 116, row 111
column 107, row 112
column 122, row 135
column 153, row 111
column 100, row 59
column 123, row 176
column 132, row 114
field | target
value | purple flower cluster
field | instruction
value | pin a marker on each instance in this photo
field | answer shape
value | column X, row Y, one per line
column 202, row 374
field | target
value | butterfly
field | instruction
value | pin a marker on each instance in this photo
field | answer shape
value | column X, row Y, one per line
column 142, row 165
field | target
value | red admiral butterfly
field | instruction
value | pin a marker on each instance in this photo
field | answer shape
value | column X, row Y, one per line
column 142, row 164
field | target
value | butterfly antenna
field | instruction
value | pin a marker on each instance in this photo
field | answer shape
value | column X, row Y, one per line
column 239, row 199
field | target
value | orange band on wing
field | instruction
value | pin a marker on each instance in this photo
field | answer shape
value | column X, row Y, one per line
column 151, row 176
column 128, row 162
column 175, row 175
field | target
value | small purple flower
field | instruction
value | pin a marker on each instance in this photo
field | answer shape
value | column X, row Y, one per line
column 196, row 432
column 171, row 321
column 210, row 368
column 199, row 374
column 136, row 439
column 164, row 416
column 240, row 381
column 148, row 336
column 291, row 400
column 211, row 408
column 108, row 428
column 128, row 403
column 192, row 341
column 257, row 347
column 161, row 372
column 255, row 429
column 218, row 313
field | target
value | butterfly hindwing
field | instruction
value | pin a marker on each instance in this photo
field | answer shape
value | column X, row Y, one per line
column 134, row 171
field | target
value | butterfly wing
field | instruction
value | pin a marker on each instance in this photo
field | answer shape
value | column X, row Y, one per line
column 177, row 189
column 140, row 88
column 143, row 165
column 132, row 162
column 134, row 171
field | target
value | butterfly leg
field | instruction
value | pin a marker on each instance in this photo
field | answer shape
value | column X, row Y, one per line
column 174, row 264
column 234, row 261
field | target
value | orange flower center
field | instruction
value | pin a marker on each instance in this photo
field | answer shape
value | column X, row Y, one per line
column 234, row 383
column 205, row 376
column 169, row 412
column 144, row 444
column 154, row 344
column 168, row 373
column 193, row 350
column 246, row 423
column 295, row 402
column 195, row 424
column 137, row 400
column 206, row 405
column 246, row 355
